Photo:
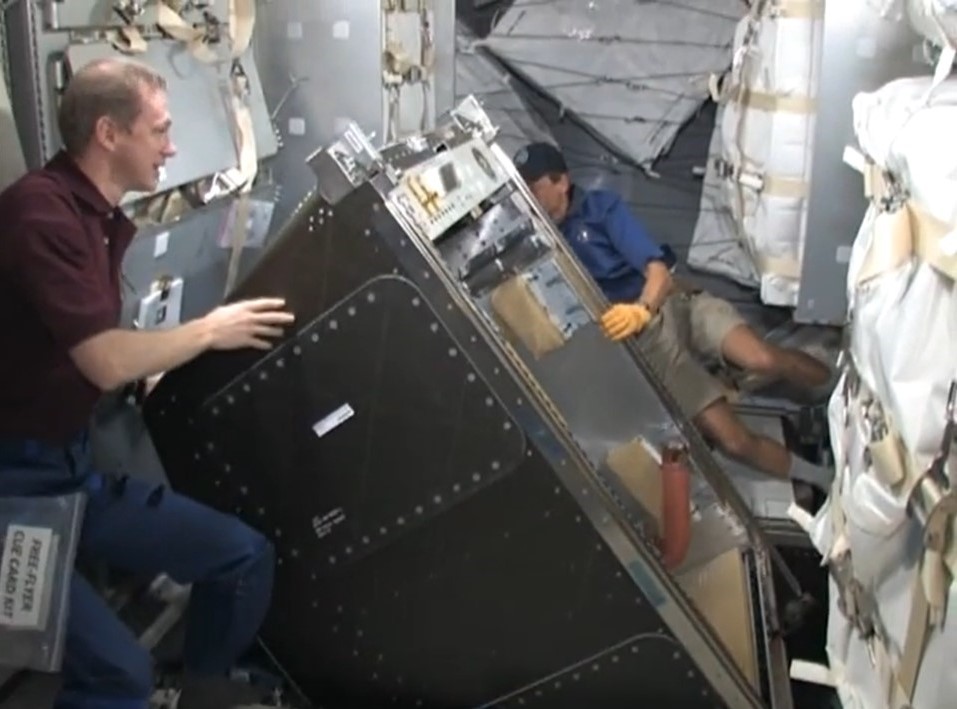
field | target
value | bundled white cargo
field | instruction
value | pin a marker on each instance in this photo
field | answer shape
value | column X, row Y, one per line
column 754, row 204
column 888, row 525
column 936, row 20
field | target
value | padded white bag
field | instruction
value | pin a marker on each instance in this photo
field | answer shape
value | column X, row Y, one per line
column 761, row 152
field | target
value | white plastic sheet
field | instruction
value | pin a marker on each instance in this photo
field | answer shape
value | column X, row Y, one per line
column 753, row 215
column 903, row 343
column 635, row 72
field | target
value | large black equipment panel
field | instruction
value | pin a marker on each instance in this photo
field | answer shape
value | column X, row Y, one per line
column 441, row 541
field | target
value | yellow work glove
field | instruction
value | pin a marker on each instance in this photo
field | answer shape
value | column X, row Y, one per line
column 624, row 320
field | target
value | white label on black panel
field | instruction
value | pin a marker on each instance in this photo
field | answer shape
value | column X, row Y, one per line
column 333, row 420
column 23, row 575
column 323, row 525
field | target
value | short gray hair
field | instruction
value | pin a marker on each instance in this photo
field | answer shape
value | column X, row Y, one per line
column 107, row 87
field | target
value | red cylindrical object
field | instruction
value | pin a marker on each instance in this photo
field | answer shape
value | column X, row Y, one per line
column 675, row 504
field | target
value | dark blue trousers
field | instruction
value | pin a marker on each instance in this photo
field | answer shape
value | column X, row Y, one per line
column 148, row 529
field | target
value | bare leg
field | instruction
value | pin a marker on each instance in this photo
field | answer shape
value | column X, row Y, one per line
column 720, row 424
column 743, row 347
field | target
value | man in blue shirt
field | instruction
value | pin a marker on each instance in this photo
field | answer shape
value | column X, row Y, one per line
column 679, row 327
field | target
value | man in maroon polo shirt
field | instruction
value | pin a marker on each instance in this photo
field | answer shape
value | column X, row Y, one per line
column 62, row 240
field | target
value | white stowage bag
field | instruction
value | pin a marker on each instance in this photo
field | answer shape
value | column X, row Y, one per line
column 936, row 20
column 754, row 204
column 903, row 346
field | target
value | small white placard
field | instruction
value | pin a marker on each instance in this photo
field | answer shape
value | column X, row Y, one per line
column 340, row 29
column 294, row 30
column 26, row 553
column 323, row 525
column 333, row 420
column 843, row 254
column 297, row 126
column 854, row 158
column 162, row 244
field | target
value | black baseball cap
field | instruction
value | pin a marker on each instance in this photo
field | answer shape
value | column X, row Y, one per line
column 536, row 160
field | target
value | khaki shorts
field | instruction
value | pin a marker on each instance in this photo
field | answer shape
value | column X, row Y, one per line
column 686, row 333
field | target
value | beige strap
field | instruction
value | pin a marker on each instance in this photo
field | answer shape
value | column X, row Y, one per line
column 808, row 9
column 778, row 266
column 929, row 596
column 176, row 27
column 892, row 244
column 242, row 19
column 774, row 185
column 929, row 234
column 778, row 186
column 877, row 185
column 888, row 458
column 128, row 40
column 764, row 101
column 906, row 232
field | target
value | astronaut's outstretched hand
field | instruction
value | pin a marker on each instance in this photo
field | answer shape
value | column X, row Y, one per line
column 247, row 323
column 624, row 320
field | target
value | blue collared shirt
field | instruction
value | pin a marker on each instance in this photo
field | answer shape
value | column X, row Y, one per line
column 612, row 245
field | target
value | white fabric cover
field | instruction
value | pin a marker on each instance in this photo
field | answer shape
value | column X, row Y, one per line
column 936, row 20
column 903, row 342
column 634, row 72
column 885, row 546
column 777, row 56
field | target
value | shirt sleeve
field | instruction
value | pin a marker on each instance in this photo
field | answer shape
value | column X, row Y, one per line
column 629, row 236
column 50, row 259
